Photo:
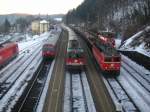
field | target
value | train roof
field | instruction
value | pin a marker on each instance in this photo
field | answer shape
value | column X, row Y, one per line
column 74, row 45
column 72, row 34
column 50, row 41
column 106, row 33
column 107, row 49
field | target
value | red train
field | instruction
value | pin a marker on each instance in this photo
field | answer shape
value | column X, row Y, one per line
column 49, row 47
column 48, row 51
column 75, row 55
column 102, row 47
column 107, row 37
column 7, row 52
column 107, row 57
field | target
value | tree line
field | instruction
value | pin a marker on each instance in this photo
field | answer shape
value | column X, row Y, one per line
column 125, row 16
column 20, row 23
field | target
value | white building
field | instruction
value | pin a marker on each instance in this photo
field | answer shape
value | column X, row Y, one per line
column 40, row 26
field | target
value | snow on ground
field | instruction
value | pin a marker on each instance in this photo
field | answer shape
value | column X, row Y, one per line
column 137, row 67
column 33, row 40
column 88, row 94
column 141, row 49
column 78, row 99
column 43, row 96
column 7, row 102
column 117, row 42
column 129, row 46
column 12, row 96
column 67, row 94
column 135, row 91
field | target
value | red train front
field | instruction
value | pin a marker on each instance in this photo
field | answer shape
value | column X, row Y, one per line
column 7, row 52
column 75, row 59
column 75, row 56
column 48, row 51
column 107, row 57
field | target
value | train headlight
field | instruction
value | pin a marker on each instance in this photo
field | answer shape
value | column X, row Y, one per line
column 75, row 61
column 81, row 63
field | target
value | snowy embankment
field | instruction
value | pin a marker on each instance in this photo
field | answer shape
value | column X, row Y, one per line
column 33, row 40
column 136, row 66
column 139, row 42
column 117, row 43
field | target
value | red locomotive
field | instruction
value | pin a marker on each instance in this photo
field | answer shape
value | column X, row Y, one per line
column 75, row 55
column 49, row 48
column 7, row 52
column 48, row 51
column 107, row 57
column 107, row 37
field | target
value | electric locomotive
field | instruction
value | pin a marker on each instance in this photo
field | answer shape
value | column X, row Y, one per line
column 48, row 51
column 75, row 55
column 8, row 51
column 107, row 57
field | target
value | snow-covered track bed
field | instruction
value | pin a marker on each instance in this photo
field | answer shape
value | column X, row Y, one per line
column 137, row 72
column 31, row 96
column 11, row 77
column 122, row 100
column 21, row 54
column 16, row 85
column 78, row 97
column 8, row 70
column 135, row 90
column 141, row 78
column 30, row 47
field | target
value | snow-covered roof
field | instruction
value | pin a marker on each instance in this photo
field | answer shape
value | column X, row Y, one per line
column 43, row 21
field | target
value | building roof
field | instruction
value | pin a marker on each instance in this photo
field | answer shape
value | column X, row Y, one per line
column 43, row 21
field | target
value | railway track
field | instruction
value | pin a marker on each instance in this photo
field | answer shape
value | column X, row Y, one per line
column 18, row 80
column 77, row 97
column 130, row 88
column 17, row 62
column 22, row 53
column 8, row 81
column 102, row 99
column 54, row 99
column 136, row 91
column 141, row 78
column 15, row 79
column 30, row 98
column 121, row 95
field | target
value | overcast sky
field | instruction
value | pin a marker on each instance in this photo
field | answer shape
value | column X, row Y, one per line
column 37, row 6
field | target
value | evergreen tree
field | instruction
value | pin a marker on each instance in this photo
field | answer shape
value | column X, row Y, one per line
column 6, row 26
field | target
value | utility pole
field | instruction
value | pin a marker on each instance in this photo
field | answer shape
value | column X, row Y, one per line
column 39, row 24
column 98, row 21
column 87, row 20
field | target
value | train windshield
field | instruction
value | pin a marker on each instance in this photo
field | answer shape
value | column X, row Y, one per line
column 75, row 54
column 107, row 34
column 48, row 47
column 112, row 59
column 73, row 44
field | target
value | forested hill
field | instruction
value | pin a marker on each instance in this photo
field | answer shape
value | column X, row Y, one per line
column 124, row 16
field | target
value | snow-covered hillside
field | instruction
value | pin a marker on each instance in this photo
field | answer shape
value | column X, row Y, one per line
column 139, row 42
